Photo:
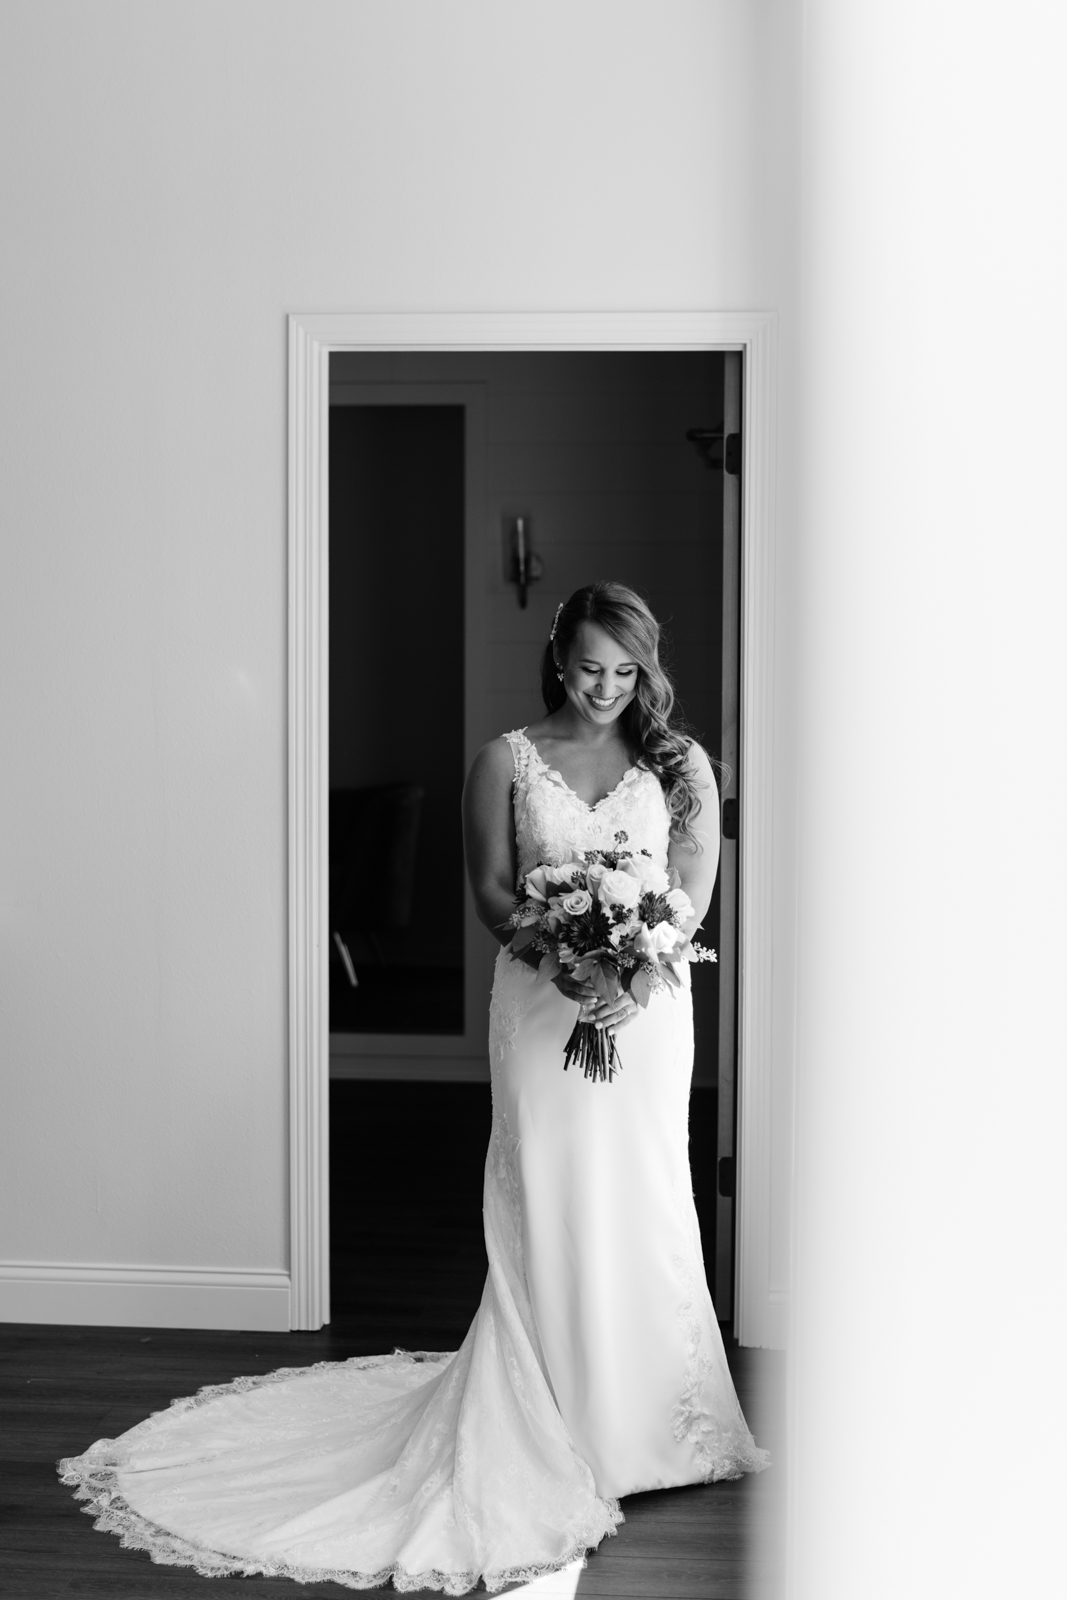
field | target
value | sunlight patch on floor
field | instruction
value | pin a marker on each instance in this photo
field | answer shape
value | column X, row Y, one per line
column 561, row 1585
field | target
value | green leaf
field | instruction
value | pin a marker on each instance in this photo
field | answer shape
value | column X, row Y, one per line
column 522, row 938
column 604, row 981
column 641, row 986
column 550, row 967
column 671, row 974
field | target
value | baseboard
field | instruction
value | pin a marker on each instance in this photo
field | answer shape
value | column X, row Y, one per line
column 144, row 1297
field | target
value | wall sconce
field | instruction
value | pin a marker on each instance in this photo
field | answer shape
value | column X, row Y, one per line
column 524, row 567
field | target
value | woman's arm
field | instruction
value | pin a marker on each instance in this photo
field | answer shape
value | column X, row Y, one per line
column 489, row 836
column 489, row 846
column 698, row 869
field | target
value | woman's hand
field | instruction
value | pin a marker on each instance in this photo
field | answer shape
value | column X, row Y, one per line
column 583, row 992
column 608, row 1014
column 611, row 1015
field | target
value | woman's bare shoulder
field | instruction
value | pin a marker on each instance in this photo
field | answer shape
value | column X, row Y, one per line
column 494, row 763
column 698, row 761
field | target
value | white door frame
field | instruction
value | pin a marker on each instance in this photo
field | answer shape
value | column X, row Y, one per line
column 312, row 339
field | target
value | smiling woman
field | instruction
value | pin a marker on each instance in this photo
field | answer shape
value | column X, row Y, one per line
column 605, row 1246
column 602, row 660
column 609, row 726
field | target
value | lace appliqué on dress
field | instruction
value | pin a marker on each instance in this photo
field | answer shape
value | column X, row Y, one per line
column 723, row 1449
column 504, row 1018
column 553, row 824
column 501, row 1165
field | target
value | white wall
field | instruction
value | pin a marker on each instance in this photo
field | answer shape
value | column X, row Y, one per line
column 929, row 1363
column 178, row 177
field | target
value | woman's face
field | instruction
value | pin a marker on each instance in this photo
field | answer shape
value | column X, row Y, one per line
column 599, row 677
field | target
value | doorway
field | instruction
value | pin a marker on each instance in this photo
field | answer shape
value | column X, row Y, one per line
column 314, row 339
column 581, row 467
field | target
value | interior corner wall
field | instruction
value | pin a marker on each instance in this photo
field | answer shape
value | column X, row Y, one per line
column 929, row 1403
column 177, row 178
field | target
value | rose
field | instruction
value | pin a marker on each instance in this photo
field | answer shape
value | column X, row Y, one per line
column 680, row 904
column 653, row 879
column 618, row 889
column 577, row 903
column 651, row 943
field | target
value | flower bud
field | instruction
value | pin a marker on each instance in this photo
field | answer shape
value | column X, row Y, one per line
column 651, row 943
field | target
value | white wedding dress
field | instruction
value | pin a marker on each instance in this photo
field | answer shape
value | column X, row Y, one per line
column 593, row 1369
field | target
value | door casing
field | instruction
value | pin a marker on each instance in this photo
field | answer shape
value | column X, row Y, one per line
column 758, row 1307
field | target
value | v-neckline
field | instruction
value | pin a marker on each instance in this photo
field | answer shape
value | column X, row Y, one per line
column 553, row 772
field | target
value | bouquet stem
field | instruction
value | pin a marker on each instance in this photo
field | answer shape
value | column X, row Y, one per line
column 595, row 1052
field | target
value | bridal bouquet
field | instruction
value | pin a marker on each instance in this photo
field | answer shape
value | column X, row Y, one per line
column 611, row 918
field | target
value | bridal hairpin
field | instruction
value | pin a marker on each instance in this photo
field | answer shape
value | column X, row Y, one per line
column 555, row 622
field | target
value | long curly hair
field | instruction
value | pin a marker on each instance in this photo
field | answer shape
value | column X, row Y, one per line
column 652, row 728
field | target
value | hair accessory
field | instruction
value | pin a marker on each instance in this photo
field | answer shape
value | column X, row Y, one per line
column 555, row 622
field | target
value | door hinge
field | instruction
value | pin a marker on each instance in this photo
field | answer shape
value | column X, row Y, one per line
column 729, row 819
column 727, row 1175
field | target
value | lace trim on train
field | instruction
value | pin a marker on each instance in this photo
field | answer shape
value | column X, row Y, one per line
column 94, row 1479
column 720, row 1451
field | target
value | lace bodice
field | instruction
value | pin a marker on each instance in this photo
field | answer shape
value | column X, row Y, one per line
column 552, row 823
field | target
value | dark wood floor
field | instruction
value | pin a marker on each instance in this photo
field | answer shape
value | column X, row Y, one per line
column 408, row 1269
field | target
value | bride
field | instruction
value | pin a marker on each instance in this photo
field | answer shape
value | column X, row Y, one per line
column 594, row 1367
